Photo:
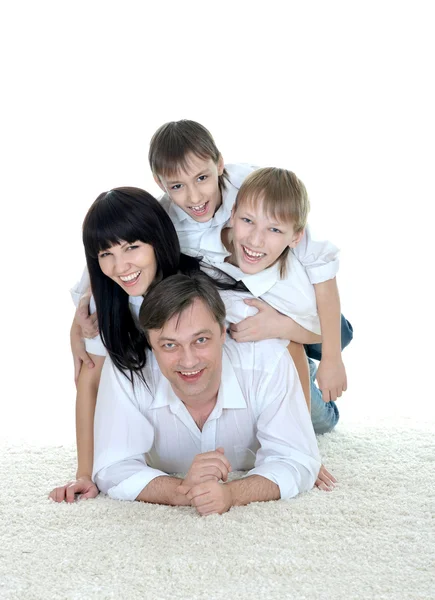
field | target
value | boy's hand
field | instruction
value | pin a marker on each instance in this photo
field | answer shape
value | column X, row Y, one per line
column 87, row 323
column 266, row 324
column 209, row 497
column 325, row 481
column 83, row 486
column 78, row 349
column 331, row 378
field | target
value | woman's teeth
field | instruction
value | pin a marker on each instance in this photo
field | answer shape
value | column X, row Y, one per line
column 131, row 277
column 190, row 373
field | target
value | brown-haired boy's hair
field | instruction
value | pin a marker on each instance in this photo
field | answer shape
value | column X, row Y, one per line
column 173, row 141
column 283, row 196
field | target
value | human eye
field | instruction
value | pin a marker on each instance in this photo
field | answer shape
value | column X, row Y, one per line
column 275, row 230
column 246, row 220
column 202, row 177
column 103, row 254
column 168, row 346
column 176, row 187
column 132, row 247
column 202, row 340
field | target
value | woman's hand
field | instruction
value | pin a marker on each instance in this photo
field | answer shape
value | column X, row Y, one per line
column 83, row 487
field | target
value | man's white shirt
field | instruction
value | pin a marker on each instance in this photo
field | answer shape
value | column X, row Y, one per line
column 260, row 419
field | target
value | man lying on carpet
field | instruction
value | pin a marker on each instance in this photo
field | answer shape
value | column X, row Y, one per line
column 212, row 406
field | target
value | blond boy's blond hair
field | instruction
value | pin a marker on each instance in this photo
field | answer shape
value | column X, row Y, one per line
column 283, row 197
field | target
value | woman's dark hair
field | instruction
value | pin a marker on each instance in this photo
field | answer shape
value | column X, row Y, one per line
column 128, row 214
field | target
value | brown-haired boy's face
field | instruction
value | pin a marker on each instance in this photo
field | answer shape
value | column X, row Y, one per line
column 258, row 238
column 196, row 190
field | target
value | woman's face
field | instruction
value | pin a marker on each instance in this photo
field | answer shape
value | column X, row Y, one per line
column 132, row 266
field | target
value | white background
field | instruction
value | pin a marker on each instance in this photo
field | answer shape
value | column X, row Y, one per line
column 339, row 92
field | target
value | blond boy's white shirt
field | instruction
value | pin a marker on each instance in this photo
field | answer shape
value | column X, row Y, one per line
column 260, row 419
column 318, row 257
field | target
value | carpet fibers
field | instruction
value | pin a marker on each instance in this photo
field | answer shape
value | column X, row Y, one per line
column 371, row 537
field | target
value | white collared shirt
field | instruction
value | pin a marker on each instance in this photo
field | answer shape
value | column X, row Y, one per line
column 293, row 296
column 190, row 231
column 318, row 257
column 260, row 419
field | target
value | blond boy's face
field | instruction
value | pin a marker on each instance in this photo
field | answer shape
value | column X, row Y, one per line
column 196, row 190
column 258, row 238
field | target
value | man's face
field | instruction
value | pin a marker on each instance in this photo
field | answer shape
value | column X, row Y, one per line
column 259, row 239
column 188, row 350
column 196, row 190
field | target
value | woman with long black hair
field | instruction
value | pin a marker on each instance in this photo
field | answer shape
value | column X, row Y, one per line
column 130, row 245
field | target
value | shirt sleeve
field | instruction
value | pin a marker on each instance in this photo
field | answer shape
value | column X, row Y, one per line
column 94, row 345
column 122, row 436
column 320, row 258
column 288, row 453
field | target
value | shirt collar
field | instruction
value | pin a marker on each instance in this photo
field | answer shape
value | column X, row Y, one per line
column 220, row 217
column 230, row 394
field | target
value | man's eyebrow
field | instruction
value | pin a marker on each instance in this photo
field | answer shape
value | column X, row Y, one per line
column 194, row 335
column 205, row 172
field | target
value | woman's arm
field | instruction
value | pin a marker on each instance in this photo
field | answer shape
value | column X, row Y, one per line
column 87, row 389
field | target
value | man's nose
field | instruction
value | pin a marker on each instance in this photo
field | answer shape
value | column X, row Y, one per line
column 188, row 358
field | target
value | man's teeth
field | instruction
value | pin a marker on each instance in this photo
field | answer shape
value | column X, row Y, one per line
column 190, row 373
column 130, row 277
column 198, row 208
column 253, row 254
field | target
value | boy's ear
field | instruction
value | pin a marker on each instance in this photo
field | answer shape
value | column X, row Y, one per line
column 220, row 165
column 159, row 183
column 296, row 239
column 233, row 212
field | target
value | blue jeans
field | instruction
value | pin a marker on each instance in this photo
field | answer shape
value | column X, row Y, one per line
column 324, row 415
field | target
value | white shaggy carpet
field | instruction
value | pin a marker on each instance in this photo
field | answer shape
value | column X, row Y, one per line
column 370, row 538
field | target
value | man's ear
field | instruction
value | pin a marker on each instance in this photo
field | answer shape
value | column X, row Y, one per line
column 296, row 239
column 220, row 165
column 159, row 183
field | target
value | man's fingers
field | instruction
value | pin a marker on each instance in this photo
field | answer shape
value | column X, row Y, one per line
column 183, row 489
column 201, row 499
column 212, row 473
column 214, row 466
column 215, row 455
column 197, row 490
